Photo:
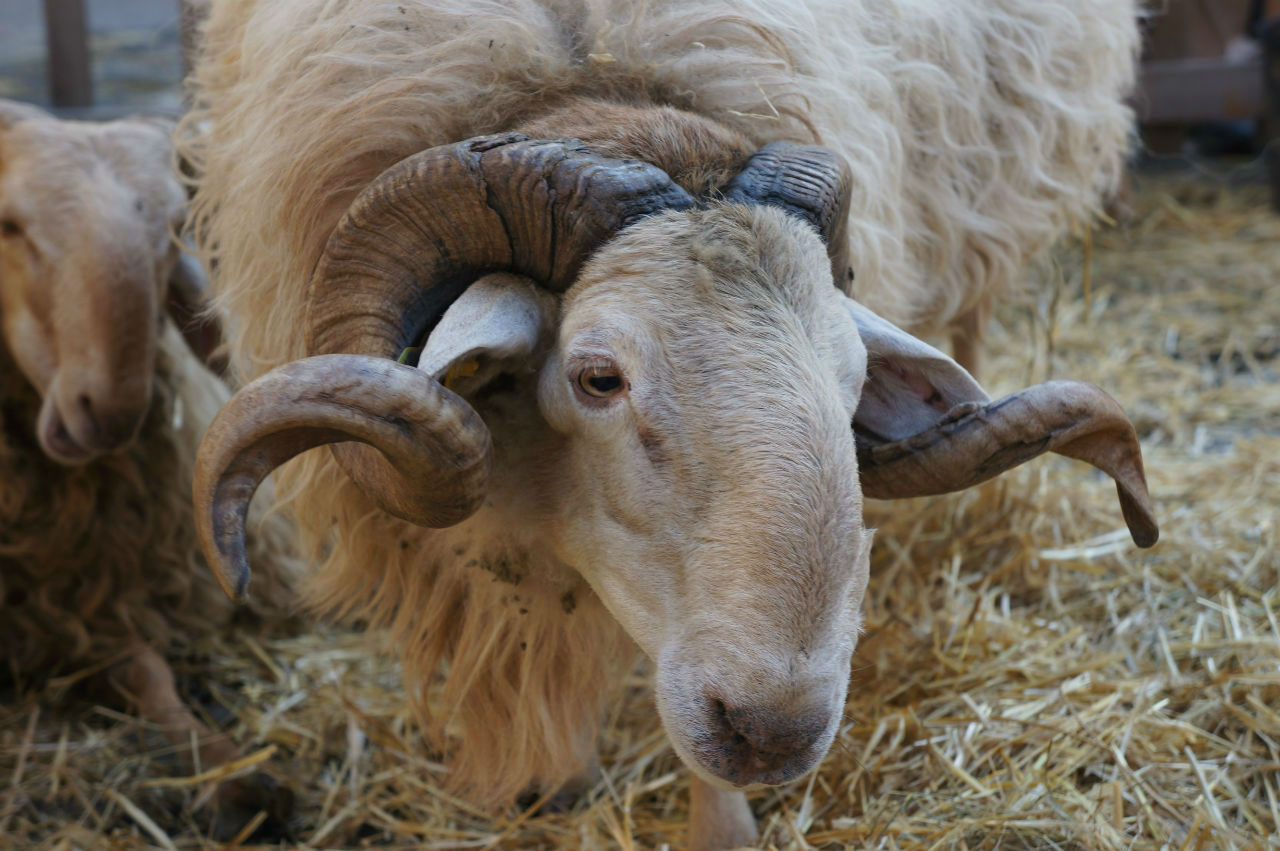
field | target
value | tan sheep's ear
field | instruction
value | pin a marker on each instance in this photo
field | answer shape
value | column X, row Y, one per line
column 499, row 324
column 187, row 304
column 12, row 112
column 163, row 123
column 910, row 385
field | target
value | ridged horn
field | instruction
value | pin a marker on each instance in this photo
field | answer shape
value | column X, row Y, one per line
column 407, row 246
column 808, row 181
column 432, row 447
column 434, row 222
column 973, row 443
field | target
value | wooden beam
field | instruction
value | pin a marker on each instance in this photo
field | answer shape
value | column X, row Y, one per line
column 70, row 77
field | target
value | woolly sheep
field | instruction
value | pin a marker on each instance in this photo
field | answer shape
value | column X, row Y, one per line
column 624, row 417
column 102, row 406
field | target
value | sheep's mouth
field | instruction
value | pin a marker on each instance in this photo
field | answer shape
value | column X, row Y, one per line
column 725, row 758
column 742, row 766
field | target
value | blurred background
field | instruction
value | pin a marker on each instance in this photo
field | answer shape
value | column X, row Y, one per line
column 95, row 57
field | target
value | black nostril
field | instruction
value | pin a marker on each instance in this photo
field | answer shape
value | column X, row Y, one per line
column 86, row 406
column 722, row 726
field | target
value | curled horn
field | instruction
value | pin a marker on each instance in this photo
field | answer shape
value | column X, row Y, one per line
column 409, row 244
column 976, row 442
column 437, row 447
column 808, row 181
column 431, row 224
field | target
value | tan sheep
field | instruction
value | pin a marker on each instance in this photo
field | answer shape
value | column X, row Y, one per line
column 642, row 436
column 102, row 406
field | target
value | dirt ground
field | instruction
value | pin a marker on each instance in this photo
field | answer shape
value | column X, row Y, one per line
column 1028, row 679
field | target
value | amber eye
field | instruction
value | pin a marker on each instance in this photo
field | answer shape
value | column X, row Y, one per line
column 601, row 381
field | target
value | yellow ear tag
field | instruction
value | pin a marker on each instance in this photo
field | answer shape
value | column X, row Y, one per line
column 461, row 369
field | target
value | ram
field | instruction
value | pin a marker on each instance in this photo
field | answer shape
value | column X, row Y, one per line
column 611, row 245
column 102, row 406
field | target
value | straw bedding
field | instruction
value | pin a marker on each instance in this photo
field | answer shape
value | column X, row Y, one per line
column 1027, row 678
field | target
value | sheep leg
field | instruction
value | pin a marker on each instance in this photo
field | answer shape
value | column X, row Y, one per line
column 147, row 682
column 718, row 818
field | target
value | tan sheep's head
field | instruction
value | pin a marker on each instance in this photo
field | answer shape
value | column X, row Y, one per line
column 697, row 384
column 86, row 213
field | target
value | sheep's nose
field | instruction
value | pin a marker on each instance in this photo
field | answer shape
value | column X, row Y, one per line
column 109, row 420
column 758, row 744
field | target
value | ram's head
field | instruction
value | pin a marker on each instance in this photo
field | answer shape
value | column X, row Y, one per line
column 87, row 257
column 699, row 412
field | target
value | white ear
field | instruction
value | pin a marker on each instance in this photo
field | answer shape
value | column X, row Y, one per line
column 501, row 317
column 910, row 384
column 12, row 111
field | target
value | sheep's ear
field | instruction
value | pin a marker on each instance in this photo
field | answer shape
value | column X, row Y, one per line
column 497, row 325
column 12, row 111
column 910, row 385
column 187, row 304
column 163, row 123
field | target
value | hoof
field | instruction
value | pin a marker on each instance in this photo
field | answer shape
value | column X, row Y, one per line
column 238, row 802
column 561, row 802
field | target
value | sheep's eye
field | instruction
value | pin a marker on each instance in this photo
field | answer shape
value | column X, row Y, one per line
column 8, row 227
column 601, row 381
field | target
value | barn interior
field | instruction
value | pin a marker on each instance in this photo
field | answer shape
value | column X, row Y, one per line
column 1027, row 678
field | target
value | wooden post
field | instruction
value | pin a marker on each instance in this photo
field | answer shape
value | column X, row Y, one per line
column 1268, row 30
column 70, row 80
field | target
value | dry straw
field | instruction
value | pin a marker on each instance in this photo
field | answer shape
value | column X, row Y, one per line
column 1027, row 678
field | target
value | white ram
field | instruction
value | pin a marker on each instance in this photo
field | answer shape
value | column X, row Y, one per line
column 611, row 231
